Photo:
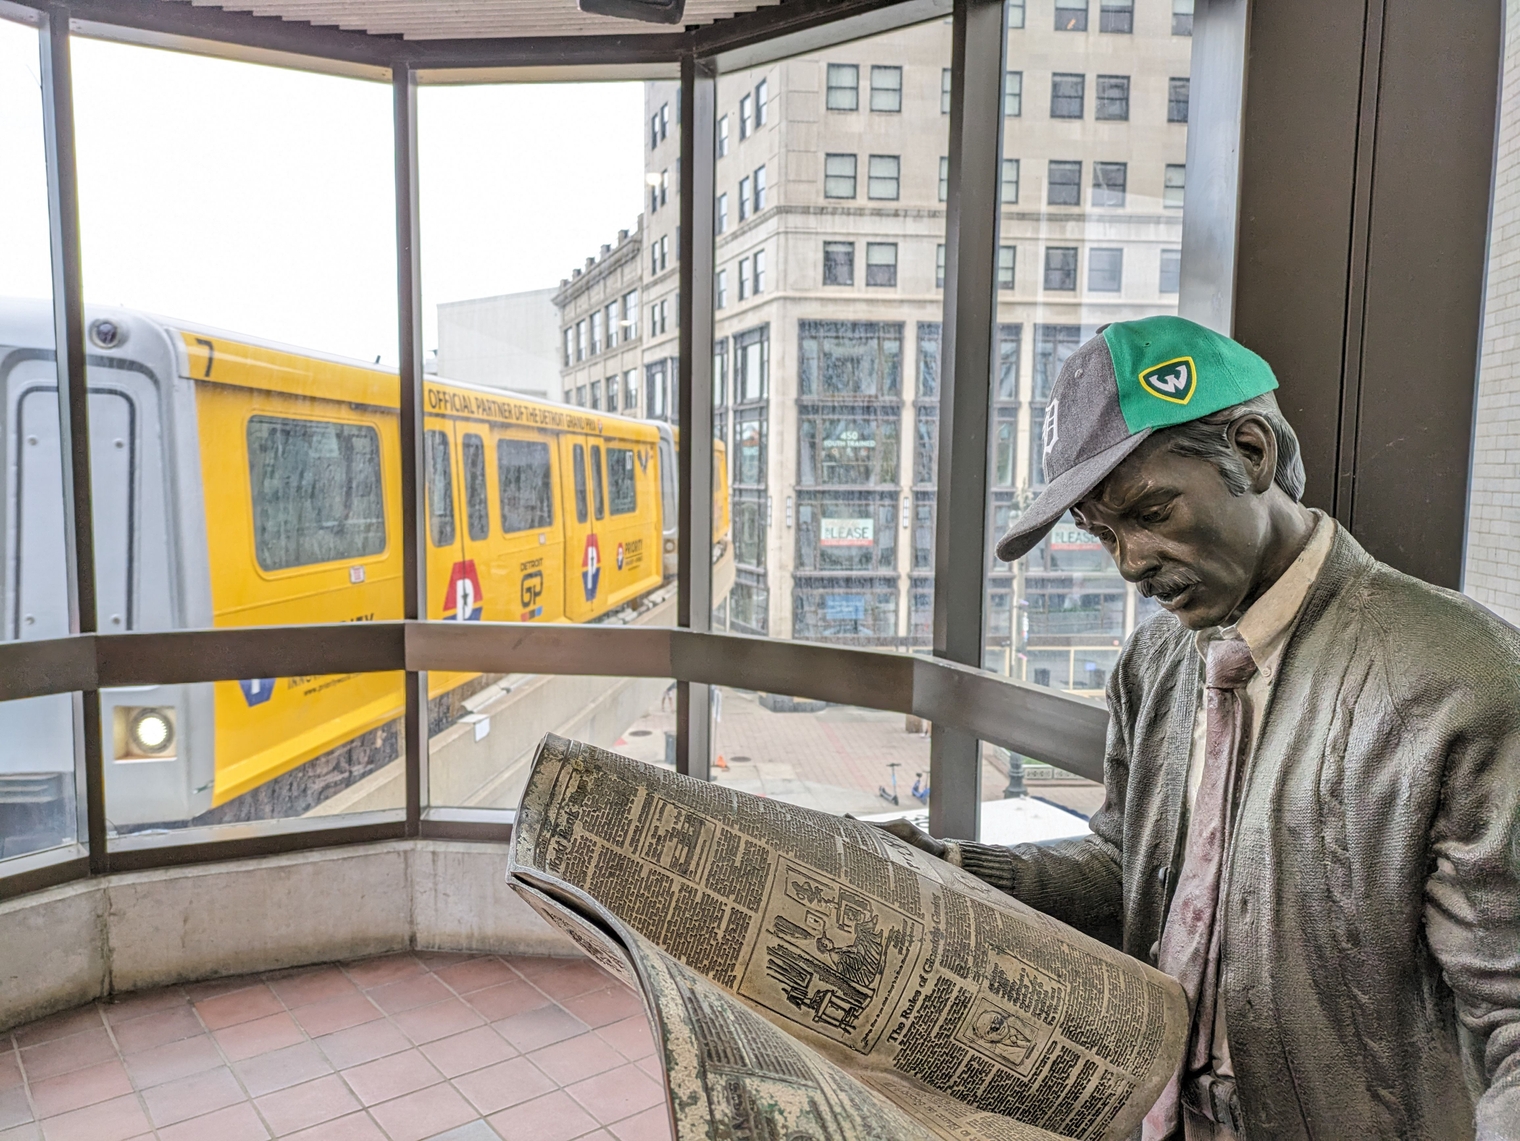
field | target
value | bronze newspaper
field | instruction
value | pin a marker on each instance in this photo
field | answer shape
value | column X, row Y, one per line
column 811, row 977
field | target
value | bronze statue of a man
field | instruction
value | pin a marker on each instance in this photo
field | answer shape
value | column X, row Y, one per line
column 1313, row 771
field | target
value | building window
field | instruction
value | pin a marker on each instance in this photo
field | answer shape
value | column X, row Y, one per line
column 1064, row 184
column 569, row 346
column 762, row 101
column 1177, row 100
column 1112, row 93
column 631, row 315
column 1109, row 179
column 944, row 91
column 849, row 358
column 749, row 531
column 631, row 390
column 1067, row 91
column 1173, row 186
column 1052, row 345
column 881, row 263
column 654, row 131
column 1015, row 13
column 654, row 258
column 851, row 531
column 664, row 251
column 1008, row 190
column 1013, row 93
column 580, row 395
column 1061, row 268
column 839, row 176
column 580, row 340
column 758, row 279
column 1007, row 257
column 839, row 263
column 752, row 364
column 596, row 332
column 1071, row 15
column 744, row 279
column 612, row 323
column 1182, row 17
column 664, row 120
column 612, row 393
column 720, row 213
column 939, row 266
column 1116, row 16
column 720, row 289
column 596, row 395
column 744, row 198
column 1171, row 271
column 1010, row 341
column 886, row 88
column 759, row 183
column 843, row 92
column 1105, row 270
column 844, row 444
column 723, row 137
column 664, row 186
column 845, row 610
column 655, row 391
column 883, row 177
column 944, row 178
column 746, row 116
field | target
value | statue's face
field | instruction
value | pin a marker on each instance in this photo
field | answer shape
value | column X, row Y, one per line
column 1179, row 534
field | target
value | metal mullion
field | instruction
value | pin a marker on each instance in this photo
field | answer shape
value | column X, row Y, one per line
column 413, row 507
column 979, row 56
column 73, row 410
column 695, row 253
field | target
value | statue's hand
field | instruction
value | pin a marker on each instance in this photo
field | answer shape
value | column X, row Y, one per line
column 910, row 833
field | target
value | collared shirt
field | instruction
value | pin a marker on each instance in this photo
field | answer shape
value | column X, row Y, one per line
column 1265, row 627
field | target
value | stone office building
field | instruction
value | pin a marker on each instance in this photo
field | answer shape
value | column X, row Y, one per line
column 830, row 212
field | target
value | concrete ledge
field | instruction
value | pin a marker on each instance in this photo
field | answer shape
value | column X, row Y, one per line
column 70, row 944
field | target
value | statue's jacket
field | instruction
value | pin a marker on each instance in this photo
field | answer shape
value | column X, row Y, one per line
column 1371, row 896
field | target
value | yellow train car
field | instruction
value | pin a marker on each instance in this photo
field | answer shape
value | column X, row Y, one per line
column 263, row 488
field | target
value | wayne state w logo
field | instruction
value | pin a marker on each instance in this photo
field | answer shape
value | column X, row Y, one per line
column 1174, row 380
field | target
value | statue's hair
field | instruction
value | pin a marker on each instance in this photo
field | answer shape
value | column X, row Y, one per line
column 1208, row 438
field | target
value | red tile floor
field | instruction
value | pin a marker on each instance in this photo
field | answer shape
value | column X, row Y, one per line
column 405, row 1047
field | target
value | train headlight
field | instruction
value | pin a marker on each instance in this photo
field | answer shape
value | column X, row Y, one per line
column 144, row 733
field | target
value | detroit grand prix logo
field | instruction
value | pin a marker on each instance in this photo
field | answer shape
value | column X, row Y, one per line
column 591, row 567
column 462, row 601
column 1173, row 380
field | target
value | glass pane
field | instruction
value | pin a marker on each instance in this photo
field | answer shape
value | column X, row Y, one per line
column 550, row 315
column 1098, row 242
column 37, row 808
column 243, row 417
column 1491, row 573
column 230, row 752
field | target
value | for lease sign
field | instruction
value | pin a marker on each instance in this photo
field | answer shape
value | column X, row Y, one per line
column 848, row 532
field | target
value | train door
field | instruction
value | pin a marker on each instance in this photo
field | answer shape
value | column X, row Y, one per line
column 632, row 533
column 452, row 592
column 584, row 593
column 530, row 558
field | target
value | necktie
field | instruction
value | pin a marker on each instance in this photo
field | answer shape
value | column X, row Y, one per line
column 1190, row 941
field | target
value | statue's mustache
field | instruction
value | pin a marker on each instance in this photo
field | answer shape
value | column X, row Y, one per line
column 1166, row 585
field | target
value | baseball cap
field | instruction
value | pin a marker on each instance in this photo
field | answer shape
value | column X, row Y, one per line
column 1118, row 388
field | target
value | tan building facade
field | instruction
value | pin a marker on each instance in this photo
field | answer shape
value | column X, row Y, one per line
column 831, row 178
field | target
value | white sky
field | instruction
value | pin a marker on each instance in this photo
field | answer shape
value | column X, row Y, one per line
column 261, row 200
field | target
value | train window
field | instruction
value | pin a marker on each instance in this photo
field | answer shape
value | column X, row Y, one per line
column 477, row 508
column 440, row 488
column 579, row 453
column 622, row 499
column 316, row 487
column 527, row 487
column 596, row 480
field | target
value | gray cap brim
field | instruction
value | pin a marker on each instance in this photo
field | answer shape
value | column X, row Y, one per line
column 1061, row 494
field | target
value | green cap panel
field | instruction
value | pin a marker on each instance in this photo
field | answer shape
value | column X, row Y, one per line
column 1170, row 370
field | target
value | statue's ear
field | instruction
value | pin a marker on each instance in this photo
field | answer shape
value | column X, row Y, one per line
column 1256, row 444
